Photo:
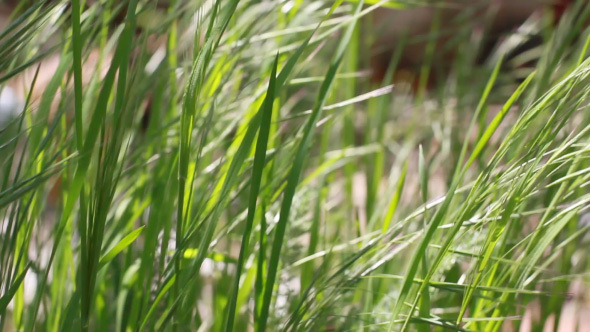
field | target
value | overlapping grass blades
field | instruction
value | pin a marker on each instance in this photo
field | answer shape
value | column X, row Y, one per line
column 231, row 165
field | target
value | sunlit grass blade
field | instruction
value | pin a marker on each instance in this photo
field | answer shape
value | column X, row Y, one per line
column 295, row 173
column 257, row 171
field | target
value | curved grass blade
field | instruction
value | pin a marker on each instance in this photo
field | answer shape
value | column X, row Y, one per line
column 293, row 178
column 257, row 170
column 120, row 246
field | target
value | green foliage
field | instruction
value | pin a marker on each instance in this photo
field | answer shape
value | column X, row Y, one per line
column 230, row 165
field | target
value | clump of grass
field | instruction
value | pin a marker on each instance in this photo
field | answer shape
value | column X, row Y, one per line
column 209, row 165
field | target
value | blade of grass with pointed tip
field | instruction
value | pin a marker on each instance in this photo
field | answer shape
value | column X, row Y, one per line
column 120, row 246
column 257, row 170
column 395, row 199
column 295, row 173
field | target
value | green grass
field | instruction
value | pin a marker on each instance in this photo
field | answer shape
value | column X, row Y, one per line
column 231, row 165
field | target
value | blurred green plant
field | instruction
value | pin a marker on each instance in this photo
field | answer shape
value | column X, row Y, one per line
column 209, row 165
